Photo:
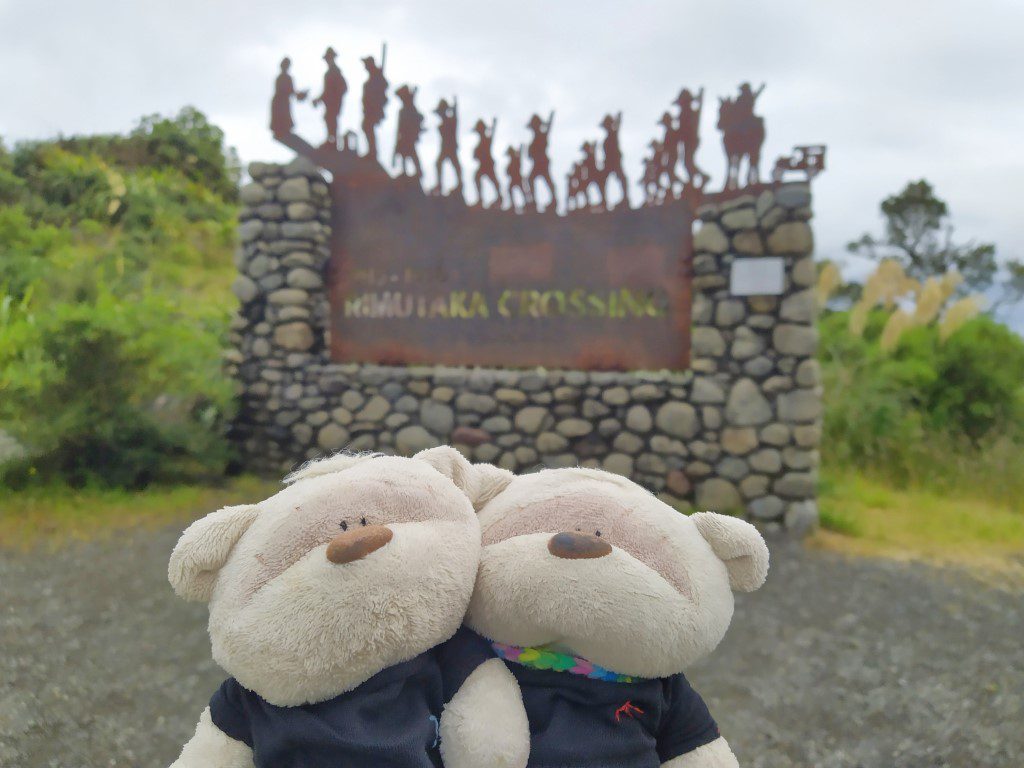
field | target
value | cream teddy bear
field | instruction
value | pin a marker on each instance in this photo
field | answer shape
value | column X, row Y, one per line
column 326, row 604
column 598, row 596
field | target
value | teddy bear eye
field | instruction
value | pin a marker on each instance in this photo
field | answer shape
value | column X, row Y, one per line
column 344, row 525
column 362, row 521
column 598, row 533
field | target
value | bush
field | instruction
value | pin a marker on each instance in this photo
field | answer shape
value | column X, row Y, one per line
column 114, row 392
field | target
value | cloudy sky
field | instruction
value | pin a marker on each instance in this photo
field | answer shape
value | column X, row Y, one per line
column 898, row 89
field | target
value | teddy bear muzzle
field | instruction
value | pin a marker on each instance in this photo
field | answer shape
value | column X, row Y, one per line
column 356, row 544
column 573, row 545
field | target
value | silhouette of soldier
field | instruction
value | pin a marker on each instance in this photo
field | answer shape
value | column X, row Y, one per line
column 540, row 167
column 613, row 158
column 485, row 162
column 514, row 171
column 332, row 97
column 590, row 174
column 746, row 100
column 281, row 123
column 572, row 187
column 410, row 126
column 652, row 173
column 375, row 98
column 669, row 156
column 448, row 128
column 689, row 133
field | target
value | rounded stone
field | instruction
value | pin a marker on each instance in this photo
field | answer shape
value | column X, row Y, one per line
column 668, row 446
column 729, row 312
column 775, row 434
column 497, row 425
column 747, row 243
column 740, row 218
column 486, row 452
column 707, row 390
column 798, row 340
column 616, row 396
column 294, row 190
column 800, row 405
column 739, row 441
column 798, row 458
column 732, row 468
column 651, row 464
column 301, row 211
column 437, row 417
column 791, row 237
column 707, row 342
column 808, row 373
column 574, row 427
column 470, row 436
column 342, row 415
column 766, row 507
column 678, row 420
column 253, row 194
column 804, row 272
column 245, row 289
column 473, row 401
column 532, row 419
column 766, row 460
column 746, row 344
column 352, row 399
column 638, row 419
column 443, row 394
column 303, row 434
column 304, row 278
column 753, row 486
column 807, row 435
column 718, row 495
column 646, row 392
column 413, row 439
column 746, row 405
column 710, row 239
column 332, row 437
column 627, row 442
column 288, row 296
column 375, row 410
column 551, row 442
column 801, row 307
column 296, row 337
column 511, row 396
column 800, row 485
column 677, row 482
column 619, row 463
column 525, row 455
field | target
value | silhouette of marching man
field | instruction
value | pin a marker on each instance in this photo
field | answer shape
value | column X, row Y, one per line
column 332, row 97
column 448, row 128
column 514, row 171
column 485, row 162
column 689, row 133
column 281, row 123
column 669, row 156
column 652, row 173
column 410, row 126
column 540, row 165
column 613, row 159
column 375, row 98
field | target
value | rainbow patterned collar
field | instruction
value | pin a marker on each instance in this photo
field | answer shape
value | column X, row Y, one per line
column 542, row 658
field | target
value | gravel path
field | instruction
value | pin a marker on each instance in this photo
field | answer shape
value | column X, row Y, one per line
column 834, row 663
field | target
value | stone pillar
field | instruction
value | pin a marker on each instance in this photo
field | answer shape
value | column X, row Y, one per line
column 753, row 358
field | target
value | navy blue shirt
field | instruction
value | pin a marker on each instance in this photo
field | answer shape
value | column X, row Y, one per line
column 578, row 722
column 389, row 721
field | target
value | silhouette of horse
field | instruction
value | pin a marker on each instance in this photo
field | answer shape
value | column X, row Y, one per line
column 742, row 137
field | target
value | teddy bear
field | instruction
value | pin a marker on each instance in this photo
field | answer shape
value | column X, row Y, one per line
column 327, row 604
column 598, row 595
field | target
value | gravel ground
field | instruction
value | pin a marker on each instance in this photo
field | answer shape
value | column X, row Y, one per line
column 833, row 663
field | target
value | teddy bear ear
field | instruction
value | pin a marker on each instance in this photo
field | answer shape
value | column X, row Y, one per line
column 204, row 548
column 480, row 482
column 739, row 545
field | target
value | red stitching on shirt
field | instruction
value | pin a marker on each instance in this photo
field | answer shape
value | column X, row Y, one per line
column 627, row 709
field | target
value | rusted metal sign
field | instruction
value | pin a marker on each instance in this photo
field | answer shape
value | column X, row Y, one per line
column 518, row 275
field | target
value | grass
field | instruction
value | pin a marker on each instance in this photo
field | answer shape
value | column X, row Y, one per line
column 53, row 515
column 864, row 516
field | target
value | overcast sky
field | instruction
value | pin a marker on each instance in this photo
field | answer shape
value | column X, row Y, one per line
column 898, row 89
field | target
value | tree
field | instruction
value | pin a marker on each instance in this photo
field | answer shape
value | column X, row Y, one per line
column 919, row 236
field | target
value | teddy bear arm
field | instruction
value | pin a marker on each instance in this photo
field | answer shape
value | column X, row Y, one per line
column 485, row 725
column 210, row 747
column 716, row 754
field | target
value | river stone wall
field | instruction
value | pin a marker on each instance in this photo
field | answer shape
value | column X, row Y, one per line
column 737, row 432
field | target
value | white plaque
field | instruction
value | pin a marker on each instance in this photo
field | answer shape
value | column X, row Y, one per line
column 763, row 276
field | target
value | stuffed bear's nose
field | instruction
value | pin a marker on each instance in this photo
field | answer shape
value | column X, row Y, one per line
column 571, row 545
column 357, row 544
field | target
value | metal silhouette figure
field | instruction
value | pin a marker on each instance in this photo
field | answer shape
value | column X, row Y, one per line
column 281, row 123
column 590, row 174
column 651, row 181
column 742, row 135
column 688, row 132
column 375, row 98
column 410, row 126
column 574, row 188
column 484, row 156
column 448, row 129
column 332, row 97
column 613, row 159
column 809, row 158
column 514, row 171
column 540, row 166
column 668, row 179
